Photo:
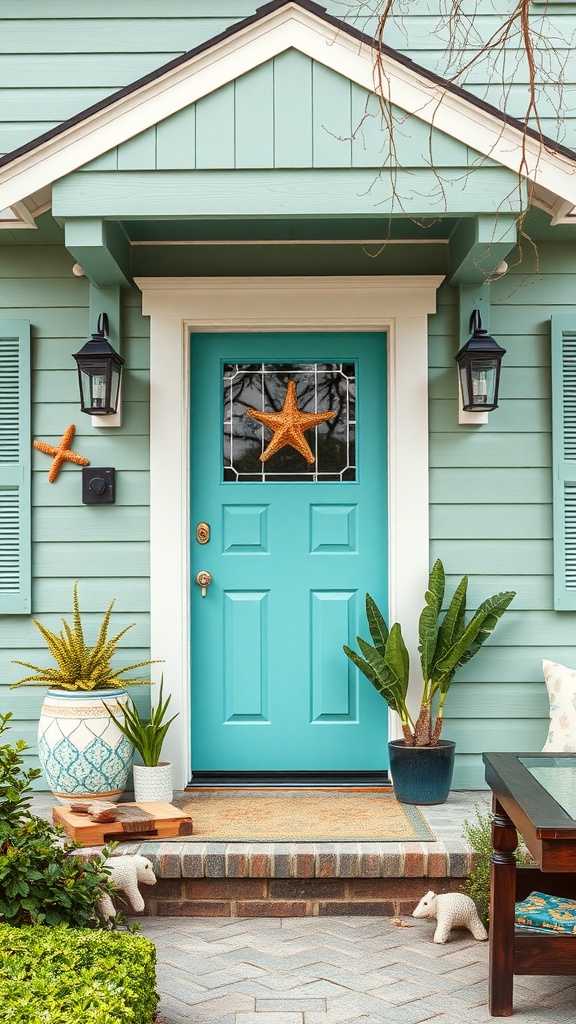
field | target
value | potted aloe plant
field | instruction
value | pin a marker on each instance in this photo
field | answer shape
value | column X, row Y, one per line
column 81, row 748
column 421, row 763
column 152, row 778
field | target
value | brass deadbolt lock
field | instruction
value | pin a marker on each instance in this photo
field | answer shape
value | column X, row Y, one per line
column 203, row 533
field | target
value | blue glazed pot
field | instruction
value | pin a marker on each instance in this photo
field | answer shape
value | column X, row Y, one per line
column 421, row 775
column 81, row 749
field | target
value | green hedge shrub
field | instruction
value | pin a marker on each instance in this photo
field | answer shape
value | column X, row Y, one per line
column 41, row 882
column 63, row 975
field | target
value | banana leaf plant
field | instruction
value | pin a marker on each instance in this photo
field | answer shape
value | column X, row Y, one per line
column 446, row 642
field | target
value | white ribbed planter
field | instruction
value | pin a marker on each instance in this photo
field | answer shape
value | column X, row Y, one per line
column 153, row 784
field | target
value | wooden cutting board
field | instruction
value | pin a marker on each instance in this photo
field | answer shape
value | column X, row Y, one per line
column 158, row 820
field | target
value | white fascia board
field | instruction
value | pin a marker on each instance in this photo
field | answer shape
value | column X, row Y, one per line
column 16, row 216
column 290, row 27
column 563, row 213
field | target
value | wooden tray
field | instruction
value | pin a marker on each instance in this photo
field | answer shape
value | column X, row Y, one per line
column 147, row 820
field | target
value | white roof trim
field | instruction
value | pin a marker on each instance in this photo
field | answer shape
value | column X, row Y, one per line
column 291, row 26
column 17, row 216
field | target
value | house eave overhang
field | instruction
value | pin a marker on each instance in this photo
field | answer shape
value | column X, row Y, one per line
column 276, row 27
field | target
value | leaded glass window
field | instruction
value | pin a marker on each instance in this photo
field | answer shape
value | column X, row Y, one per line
column 320, row 387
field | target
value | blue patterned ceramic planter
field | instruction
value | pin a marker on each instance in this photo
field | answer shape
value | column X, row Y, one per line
column 421, row 775
column 81, row 749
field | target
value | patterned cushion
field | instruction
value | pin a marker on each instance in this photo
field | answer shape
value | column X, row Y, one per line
column 561, row 684
column 542, row 911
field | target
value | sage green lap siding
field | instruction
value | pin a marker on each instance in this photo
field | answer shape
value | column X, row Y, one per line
column 511, row 414
column 517, row 485
column 491, row 514
column 490, row 522
column 132, row 599
column 94, row 521
column 56, row 60
column 49, row 419
column 131, row 488
column 469, row 702
column 105, row 548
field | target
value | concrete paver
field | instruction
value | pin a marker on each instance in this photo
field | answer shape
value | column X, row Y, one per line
column 346, row 970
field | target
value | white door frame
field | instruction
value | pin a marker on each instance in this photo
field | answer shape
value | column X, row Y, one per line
column 399, row 306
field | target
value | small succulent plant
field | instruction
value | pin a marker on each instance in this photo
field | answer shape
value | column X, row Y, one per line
column 146, row 734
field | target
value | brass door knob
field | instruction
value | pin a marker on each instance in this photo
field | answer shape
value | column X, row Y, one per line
column 204, row 579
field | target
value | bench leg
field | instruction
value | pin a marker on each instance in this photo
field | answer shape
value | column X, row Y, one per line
column 502, row 900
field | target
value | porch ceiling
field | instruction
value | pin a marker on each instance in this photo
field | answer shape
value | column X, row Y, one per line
column 220, row 231
column 466, row 249
column 295, row 246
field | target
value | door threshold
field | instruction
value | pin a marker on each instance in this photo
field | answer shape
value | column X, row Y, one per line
column 289, row 780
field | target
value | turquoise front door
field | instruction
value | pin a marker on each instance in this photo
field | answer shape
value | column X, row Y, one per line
column 297, row 516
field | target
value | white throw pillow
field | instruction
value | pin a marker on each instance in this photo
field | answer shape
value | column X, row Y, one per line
column 561, row 686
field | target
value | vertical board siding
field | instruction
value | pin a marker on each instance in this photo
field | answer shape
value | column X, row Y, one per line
column 176, row 141
column 370, row 143
column 331, row 118
column 138, row 153
column 289, row 112
column 215, row 129
column 292, row 110
column 104, row 548
column 254, row 118
column 491, row 511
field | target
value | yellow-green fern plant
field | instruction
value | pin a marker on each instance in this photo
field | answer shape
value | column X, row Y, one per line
column 81, row 667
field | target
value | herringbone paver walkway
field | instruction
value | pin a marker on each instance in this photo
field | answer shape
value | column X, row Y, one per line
column 333, row 971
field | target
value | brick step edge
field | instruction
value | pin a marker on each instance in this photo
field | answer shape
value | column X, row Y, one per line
column 450, row 859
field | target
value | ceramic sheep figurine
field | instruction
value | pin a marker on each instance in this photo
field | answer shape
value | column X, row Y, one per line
column 451, row 910
column 125, row 873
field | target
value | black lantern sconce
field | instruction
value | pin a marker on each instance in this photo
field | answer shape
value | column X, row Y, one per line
column 99, row 373
column 479, row 369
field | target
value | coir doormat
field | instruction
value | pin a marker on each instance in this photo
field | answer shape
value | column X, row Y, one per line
column 297, row 817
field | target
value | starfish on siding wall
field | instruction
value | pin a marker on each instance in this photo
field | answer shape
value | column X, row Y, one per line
column 61, row 453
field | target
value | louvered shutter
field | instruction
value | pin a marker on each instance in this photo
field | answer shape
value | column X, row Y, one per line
column 564, row 459
column 15, row 568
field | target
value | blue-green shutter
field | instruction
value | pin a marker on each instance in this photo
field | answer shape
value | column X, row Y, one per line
column 15, row 465
column 564, row 459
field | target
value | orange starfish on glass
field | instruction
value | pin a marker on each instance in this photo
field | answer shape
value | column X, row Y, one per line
column 61, row 453
column 289, row 426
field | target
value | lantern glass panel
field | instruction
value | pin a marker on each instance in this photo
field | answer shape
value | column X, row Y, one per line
column 115, row 386
column 483, row 373
column 463, row 371
column 95, row 386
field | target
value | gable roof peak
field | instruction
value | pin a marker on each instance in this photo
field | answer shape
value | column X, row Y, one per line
column 274, row 27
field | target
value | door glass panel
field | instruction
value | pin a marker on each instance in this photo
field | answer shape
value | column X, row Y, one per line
column 265, row 388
